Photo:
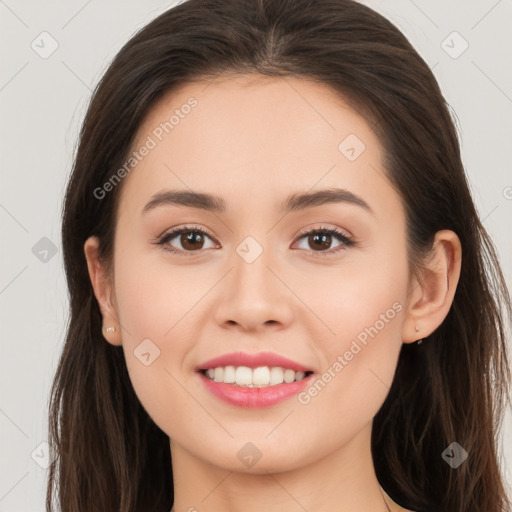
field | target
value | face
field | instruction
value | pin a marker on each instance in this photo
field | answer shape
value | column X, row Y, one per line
column 321, row 283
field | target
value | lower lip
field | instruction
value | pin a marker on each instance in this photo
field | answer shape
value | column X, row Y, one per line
column 242, row 396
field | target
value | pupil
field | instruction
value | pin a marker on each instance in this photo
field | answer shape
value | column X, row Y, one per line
column 191, row 238
column 323, row 240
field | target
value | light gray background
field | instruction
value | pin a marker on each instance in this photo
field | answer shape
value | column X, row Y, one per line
column 42, row 103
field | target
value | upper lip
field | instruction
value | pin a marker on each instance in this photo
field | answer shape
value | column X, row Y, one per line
column 253, row 361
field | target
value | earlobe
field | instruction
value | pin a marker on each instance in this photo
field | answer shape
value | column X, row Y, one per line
column 103, row 291
column 432, row 294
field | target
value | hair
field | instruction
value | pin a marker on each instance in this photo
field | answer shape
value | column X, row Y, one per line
column 111, row 456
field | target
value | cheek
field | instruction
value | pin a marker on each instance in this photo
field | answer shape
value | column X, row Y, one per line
column 150, row 302
column 153, row 295
column 365, row 294
column 359, row 365
column 363, row 309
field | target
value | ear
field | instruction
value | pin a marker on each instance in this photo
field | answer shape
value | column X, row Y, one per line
column 103, row 290
column 431, row 294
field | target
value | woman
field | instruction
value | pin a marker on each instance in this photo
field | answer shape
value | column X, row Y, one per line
column 281, row 293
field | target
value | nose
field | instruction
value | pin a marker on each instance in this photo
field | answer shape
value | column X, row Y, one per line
column 254, row 296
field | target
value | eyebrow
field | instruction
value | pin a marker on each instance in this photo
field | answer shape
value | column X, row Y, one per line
column 295, row 202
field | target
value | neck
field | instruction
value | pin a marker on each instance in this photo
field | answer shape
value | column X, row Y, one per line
column 343, row 481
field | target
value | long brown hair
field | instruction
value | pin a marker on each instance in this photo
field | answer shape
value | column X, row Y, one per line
column 452, row 388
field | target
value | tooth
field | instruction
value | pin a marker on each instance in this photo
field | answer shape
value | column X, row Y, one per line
column 289, row 376
column 243, row 375
column 261, row 376
column 276, row 375
column 229, row 374
column 258, row 377
column 219, row 374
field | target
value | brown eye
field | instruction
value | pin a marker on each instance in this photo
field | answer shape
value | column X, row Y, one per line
column 319, row 241
column 192, row 240
column 184, row 240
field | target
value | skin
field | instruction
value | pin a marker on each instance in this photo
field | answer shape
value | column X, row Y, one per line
column 254, row 140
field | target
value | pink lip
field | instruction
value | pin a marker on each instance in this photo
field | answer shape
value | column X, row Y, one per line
column 253, row 361
column 254, row 397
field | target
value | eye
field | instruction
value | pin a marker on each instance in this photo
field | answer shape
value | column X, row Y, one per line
column 191, row 238
column 321, row 238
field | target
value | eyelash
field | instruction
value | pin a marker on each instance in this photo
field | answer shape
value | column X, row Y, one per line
column 341, row 237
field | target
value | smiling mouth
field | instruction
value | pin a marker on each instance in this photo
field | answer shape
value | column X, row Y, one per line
column 259, row 377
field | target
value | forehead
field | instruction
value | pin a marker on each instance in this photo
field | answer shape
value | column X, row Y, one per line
column 243, row 136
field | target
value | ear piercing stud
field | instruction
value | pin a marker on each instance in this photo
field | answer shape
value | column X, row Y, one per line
column 419, row 342
column 110, row 329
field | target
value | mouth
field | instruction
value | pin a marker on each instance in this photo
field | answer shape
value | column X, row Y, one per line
column 254, row 380
column 259, row 377
column 258, row 387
